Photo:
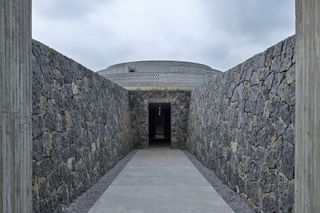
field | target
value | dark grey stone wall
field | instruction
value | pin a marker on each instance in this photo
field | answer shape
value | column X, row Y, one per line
column 241, row 125
column 139, row 102
column 81, row 128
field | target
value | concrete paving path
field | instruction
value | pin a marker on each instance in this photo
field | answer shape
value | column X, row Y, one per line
column 160, row 180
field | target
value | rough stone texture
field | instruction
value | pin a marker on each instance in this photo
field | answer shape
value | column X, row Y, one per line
column 84, row 203
column 241, row 125
column 307, row 132
column 232, row 198
column 15, row 106
column 139, row 101
column 81, row 128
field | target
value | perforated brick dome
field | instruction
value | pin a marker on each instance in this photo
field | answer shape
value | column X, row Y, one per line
column 147, row 75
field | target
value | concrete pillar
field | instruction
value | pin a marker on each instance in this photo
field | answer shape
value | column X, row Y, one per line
column 15, row 106
column 307, row 133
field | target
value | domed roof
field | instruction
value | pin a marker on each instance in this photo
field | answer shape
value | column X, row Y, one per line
column 149, row 75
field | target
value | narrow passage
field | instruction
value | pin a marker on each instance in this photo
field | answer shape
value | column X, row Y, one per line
column 160, row 180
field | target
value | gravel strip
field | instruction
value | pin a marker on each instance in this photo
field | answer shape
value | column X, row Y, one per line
column 233, row 199
column 84, row 203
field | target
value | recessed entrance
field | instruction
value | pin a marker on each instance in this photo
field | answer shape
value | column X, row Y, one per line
column 159, row 124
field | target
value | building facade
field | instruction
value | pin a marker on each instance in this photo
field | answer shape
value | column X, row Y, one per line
column 159, row 97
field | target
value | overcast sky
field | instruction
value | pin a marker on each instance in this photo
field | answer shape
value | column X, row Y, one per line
column 219, row 33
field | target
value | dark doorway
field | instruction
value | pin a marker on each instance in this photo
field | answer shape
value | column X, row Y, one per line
column 159, row 124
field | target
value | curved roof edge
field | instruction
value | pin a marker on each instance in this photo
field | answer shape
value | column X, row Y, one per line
column 160, row 62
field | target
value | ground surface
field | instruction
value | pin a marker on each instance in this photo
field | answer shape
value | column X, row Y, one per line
column 87, row 199
column 233, row 199
column 160, row 180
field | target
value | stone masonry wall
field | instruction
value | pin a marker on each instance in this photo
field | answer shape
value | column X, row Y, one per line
column 139, row 101
column 241, row 125
column 81, row 128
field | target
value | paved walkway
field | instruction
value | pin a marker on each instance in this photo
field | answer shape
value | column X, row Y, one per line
column 160, row 181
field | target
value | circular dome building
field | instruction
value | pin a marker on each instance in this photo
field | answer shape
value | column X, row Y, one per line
column 159, row 75
column 159, row 95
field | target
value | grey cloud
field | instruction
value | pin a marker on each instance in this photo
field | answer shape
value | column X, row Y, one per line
column 220, row 33
column 66, row 9
column 253, row 18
